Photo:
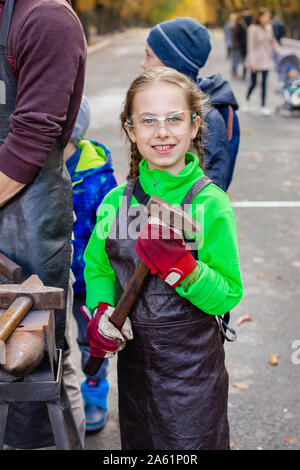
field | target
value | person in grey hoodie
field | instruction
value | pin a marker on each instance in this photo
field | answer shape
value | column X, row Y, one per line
column 184, row 44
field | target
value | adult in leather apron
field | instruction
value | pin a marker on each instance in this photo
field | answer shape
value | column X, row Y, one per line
column 35, row 232
column 172, row 379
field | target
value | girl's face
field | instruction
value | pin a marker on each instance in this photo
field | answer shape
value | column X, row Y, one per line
column 151, row 59
column 163, row 147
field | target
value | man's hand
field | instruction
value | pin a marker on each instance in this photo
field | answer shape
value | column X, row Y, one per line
column 8, row 188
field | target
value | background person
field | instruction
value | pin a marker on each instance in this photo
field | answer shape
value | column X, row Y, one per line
column 278, row 28
column 228, row 33
column 261, row 44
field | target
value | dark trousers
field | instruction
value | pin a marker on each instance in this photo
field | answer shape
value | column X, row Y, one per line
column 253, row 81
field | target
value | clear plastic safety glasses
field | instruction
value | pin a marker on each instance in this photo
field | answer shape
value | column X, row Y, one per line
column 175, row 123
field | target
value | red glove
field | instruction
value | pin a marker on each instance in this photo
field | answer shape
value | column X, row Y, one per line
column 164, row 252
column 104, row 339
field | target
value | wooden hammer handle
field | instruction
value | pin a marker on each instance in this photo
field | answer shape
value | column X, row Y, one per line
column 10, row 269
column 122, row 310
column 13, row 316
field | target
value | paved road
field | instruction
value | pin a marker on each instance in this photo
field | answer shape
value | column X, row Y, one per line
column 264, row 409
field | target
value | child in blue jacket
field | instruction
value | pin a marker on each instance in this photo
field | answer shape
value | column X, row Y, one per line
column 90, row 166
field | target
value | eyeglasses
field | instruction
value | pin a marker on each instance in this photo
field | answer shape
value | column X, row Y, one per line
column 175, row 123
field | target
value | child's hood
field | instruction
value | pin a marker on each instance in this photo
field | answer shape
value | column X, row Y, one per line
column 219, row 90
column 93, row 157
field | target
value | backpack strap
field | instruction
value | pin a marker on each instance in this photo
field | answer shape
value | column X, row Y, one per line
column 230, row 123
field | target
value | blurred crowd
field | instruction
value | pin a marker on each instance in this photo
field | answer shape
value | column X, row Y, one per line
column 253, row 44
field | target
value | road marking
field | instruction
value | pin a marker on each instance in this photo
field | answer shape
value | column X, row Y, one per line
column 266, row 204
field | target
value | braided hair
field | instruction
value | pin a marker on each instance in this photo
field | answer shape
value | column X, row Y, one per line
column 196, row 100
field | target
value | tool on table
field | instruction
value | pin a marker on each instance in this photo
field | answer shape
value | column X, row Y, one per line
column 163, row 213
column 10, row 269
column 18, row 299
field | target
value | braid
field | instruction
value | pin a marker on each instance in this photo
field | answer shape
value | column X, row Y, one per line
column 198, row 145
column 135, row 159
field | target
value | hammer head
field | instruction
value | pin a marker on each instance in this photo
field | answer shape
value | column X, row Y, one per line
column 171, row 216
column 43, row 297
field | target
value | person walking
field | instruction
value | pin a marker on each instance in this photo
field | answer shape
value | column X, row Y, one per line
column 260, row 45
column 42, row 68
column 239, row 34
column 278, row 28
column 229, row 24
column 236, row 57
column 172, row 379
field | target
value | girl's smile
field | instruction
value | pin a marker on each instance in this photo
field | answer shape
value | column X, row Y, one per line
column 163, row 149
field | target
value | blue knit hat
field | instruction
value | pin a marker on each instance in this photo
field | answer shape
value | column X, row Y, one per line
column 182, row 44
column 82, row 122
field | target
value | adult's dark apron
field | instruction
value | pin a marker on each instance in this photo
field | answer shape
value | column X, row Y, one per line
column 35, row 232
column 173, row 384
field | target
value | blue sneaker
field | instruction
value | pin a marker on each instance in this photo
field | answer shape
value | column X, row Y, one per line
column 95, row 394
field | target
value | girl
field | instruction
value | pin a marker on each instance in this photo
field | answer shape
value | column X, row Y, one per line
column 172, row 380
column 260, row 46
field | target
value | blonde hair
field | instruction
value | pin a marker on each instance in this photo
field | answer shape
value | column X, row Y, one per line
column 195, row 98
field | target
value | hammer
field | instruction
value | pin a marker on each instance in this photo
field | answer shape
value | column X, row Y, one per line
column 18, row 299
column 163, row 213
column 10, row 269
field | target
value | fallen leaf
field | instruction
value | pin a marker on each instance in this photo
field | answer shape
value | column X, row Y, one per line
column 244, row 318
column 273, row 361
column 256, row 157
column 240, row 237
column 231, row 445
column 289, row 440
column 279, row 276
column 240, row 386
column 248, row 132
column 261, row 275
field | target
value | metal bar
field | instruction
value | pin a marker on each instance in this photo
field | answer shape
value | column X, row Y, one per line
column 58, row 425
column 3, row 419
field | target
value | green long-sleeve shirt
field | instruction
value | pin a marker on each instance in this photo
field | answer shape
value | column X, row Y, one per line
column 219, row 287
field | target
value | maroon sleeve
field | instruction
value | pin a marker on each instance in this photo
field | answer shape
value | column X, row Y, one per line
column 50, row 52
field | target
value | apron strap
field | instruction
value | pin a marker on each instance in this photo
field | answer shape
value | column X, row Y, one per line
column 200, row 184
column 5, row 22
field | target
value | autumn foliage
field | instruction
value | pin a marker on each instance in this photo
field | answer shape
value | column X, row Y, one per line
column 111, row 15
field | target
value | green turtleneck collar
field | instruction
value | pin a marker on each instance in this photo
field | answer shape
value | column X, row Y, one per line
column 168, row 186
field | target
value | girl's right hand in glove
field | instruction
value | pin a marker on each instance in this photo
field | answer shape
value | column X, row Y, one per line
column 104, row 338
